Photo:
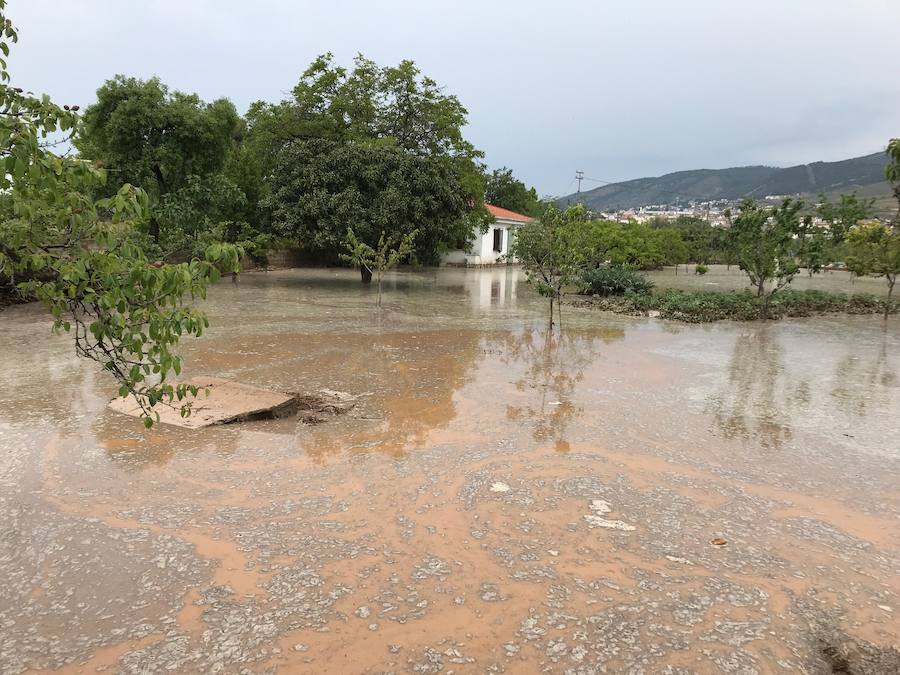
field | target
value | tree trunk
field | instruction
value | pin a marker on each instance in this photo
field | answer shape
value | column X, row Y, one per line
column 153, row 228
column 559, row 309
column 365, row 274
column 551, row 312
column 887, row 304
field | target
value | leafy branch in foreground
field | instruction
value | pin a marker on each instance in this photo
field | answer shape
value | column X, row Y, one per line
column 83, row 257
column 378, row 260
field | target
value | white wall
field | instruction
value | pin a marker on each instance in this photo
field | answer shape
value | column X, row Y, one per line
column 483, row 252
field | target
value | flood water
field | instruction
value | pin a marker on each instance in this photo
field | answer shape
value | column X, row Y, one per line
column 730, row 278
column 499, row 500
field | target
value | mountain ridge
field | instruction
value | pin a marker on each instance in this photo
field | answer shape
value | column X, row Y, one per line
column 735, row 183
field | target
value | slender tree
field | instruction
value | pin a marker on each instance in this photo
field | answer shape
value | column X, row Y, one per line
column 548, row 248
column 763, row 241
column 389, row 253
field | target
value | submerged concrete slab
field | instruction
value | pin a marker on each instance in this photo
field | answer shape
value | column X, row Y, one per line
column 227, row 402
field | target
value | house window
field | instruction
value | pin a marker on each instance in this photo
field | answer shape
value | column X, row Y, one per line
column 498, row 239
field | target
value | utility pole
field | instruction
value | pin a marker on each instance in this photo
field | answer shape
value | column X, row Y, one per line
column 579, row 176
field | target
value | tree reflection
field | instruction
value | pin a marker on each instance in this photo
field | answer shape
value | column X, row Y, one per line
column 757, row 403
column 554, row 365
column 864, row 380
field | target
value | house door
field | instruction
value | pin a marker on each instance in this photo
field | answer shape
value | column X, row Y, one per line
column 498, row 240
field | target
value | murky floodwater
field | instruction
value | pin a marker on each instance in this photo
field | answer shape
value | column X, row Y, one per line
column 724, row 278
column 498, row 501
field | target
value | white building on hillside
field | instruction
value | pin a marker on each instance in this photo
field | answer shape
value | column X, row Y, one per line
column 488, row 248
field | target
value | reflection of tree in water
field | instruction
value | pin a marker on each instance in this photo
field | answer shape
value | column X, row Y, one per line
column 757, row 404
column 554, row 366
column 864, row 381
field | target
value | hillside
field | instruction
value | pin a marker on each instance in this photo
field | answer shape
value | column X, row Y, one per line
column 734, row 183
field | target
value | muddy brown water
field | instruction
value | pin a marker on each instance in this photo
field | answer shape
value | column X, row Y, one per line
column 499, row 500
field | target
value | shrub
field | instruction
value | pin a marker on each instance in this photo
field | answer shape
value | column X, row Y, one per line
column 701, row 269
column 614, row 280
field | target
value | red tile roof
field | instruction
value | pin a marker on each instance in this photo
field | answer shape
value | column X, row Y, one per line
column 497, row 212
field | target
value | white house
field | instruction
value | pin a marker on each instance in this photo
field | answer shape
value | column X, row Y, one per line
column 487, row 248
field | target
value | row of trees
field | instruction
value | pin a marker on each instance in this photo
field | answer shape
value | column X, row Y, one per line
column 692, row 239
column 770, row 244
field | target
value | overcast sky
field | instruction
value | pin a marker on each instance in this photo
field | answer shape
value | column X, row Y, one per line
column 620, row 89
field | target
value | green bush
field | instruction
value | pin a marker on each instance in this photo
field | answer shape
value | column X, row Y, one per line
column 614, row 280
column 701, row 270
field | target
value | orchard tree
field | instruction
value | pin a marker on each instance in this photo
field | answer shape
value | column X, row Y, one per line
column 507, row 192
column 875, row 251
column 672, row 246
column 379, row 259
column 551, row 252
column 629, row 244
column 814, row 246
column 122, row 312
column 892, row 173
column 763, row 241
column 843, row 214
column 147, row 135
column 875, row 247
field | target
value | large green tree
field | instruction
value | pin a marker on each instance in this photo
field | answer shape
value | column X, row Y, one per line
column 82, row 256
column 320, row 187
column 378, row 149
column 506, row 191
column 145, row 134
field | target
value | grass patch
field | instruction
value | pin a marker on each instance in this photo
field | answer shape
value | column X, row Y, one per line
column 706, row 306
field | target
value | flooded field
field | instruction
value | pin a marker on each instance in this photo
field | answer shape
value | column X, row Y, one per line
column 723, row 278
column 498, row 500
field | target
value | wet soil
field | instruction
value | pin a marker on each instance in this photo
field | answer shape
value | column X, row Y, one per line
column 497, row 500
